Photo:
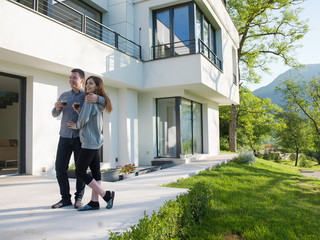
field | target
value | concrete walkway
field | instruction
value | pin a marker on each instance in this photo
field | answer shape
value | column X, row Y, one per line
column 25, row 202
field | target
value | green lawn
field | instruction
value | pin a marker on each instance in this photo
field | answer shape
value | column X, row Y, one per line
column 262, row 201
column 311, row 165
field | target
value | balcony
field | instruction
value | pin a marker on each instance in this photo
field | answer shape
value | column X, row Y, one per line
column 186, row 48
column 79, row 21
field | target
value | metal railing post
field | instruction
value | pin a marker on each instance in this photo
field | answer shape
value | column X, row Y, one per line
column 36, row 5
column 116, row 39
column 83, row 23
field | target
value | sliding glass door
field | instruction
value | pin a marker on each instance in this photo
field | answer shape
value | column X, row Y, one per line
column 179, row 127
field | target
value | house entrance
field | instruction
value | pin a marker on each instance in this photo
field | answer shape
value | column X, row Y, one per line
column 12, row 124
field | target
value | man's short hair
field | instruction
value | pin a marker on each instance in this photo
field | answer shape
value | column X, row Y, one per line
column 81, row 73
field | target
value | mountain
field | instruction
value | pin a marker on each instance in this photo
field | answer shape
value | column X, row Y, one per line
column 306, row 73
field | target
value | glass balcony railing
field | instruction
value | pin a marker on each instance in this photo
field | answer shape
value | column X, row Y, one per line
column 185, row 48
column 77, row 20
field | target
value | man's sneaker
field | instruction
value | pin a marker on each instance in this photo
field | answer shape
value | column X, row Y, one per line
column 78, row 204
column 61, row 204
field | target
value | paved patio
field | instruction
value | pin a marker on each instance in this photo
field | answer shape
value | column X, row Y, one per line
column 26, row 214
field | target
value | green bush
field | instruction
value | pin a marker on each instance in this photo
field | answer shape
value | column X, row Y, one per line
column 259, row 155
column 292, row 156
column 176, row 219
column 246, row 157
column 305, row 161
column 224, row 144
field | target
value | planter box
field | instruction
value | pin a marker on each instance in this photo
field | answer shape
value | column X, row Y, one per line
column 143, row 171
column 110, row 176
column 125, row 176
column 156, row 168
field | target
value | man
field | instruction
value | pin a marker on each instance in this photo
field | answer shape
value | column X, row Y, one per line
column 69, row 141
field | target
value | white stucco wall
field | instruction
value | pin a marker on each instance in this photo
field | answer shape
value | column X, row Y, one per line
column 147, row 129
column 128, row 126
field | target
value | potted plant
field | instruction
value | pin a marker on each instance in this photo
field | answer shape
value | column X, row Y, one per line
column 127, row 171
column 110, row 174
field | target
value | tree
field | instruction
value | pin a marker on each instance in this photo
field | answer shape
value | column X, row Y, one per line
column 255, row 119
column 305, row 95
column 269, row 30
column 294, row 132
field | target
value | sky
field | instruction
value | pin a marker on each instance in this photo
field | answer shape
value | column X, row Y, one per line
column 309, row 53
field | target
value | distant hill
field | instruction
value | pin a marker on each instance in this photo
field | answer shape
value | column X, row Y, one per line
column 306, row 73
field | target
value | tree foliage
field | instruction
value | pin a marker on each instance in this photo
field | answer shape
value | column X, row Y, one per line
column 255, row 119
column 294, row 131
column 268, row 29
column 305, row 96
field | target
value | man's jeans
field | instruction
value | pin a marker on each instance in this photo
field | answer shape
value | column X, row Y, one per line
column 65, row 148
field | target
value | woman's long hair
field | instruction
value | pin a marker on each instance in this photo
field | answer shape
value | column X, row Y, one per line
column 100, row 91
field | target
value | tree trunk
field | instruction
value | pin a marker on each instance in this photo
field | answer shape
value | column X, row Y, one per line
column 233, row 129
column 297, row 156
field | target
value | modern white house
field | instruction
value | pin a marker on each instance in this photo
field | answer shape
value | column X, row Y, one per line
column 167, row 66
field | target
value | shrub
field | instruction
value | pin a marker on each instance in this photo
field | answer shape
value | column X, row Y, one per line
column 246, row 157
column 305, row 161
column 224, row 144
column 292, row 156
column 175, row 219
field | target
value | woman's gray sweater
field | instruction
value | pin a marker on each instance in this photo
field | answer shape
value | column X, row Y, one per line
column 90, row 123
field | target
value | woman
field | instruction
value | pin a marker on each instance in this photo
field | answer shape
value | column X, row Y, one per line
column 90, row 124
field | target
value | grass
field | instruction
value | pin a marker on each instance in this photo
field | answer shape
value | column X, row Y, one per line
column 262, row 201
column 311, row 165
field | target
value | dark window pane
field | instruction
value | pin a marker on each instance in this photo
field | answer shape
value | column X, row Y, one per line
column 166, row 120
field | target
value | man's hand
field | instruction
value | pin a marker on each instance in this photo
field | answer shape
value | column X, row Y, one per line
column 71, row 125
column 91, row 98
column 58, row 106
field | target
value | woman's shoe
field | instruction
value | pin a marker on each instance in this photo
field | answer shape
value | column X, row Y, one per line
column 110, row 202
column 87, row 207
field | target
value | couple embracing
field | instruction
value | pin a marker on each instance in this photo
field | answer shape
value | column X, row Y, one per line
column 81, row 134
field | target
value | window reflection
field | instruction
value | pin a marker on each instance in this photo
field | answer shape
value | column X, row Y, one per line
column 181, row 31
column 162, row 39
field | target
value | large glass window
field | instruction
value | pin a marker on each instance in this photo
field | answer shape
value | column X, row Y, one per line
column 184, row 29
column 173, row 31
column 178, row 131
